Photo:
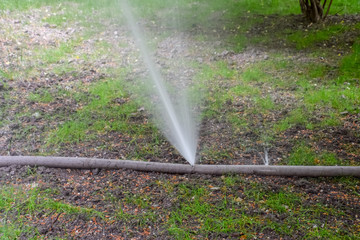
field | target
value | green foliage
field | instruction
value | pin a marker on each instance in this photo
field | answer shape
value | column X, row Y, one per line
column 330, row 119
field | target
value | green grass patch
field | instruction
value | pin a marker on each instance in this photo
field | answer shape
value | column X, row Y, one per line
column 264, row 104
column 305, row 39
column 244, row 90
column 66, row 14
column 6, row 75
column 345, row 7
column 102, row 114
column 24, row 4
column 254, row 74
column 322, row 104
column 214, row 153
column 61, row 52
column 216, row 95
column 222, row 210
column 209, row 217
column 283, row 201
column 145, row 214
column 315, row 71
column 70, row 132
column 298, row 116
column 42, row 97
column 305, row 155
column 338, row 98
column 64, row 69
column 349, row 65
column 19, row 204
column 238, row 122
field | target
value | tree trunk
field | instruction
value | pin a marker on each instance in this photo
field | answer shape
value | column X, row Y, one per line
column 313, row 10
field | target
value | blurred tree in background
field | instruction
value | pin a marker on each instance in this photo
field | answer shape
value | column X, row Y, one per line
column 315, row 10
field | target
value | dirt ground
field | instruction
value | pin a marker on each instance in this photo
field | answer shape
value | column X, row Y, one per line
column 24, row 134
column 87, row 188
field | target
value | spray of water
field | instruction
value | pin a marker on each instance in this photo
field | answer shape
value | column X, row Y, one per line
column 177, row 120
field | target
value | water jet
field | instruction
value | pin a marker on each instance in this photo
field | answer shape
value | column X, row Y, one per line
column 173, row 115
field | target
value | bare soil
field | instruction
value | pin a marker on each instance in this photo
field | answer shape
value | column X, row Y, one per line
column 88, row 188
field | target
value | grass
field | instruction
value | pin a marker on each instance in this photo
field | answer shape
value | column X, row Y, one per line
column 43, row 97
column 6, row 75
column 207, row 215
column 243, row 90
column 338, row 98
column 304, row 155
column 264, row 104
column 291, row 102
column 23, row 5
column 223, row 210
column 70, row 132
column 320, row 98
column 102, row 115
column 254, row 75
column 349, row 69
column 308, row 39
column 216, row 94
column 54, row 55
column 98, row 116
column 297, row 116
column 23, row 202
column 214, row 208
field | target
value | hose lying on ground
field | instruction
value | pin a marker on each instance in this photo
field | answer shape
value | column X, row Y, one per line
column 92, row 163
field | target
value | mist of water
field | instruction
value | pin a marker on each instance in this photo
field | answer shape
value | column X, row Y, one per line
column 174, row 115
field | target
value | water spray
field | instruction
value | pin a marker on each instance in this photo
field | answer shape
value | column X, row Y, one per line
column 179, row 126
